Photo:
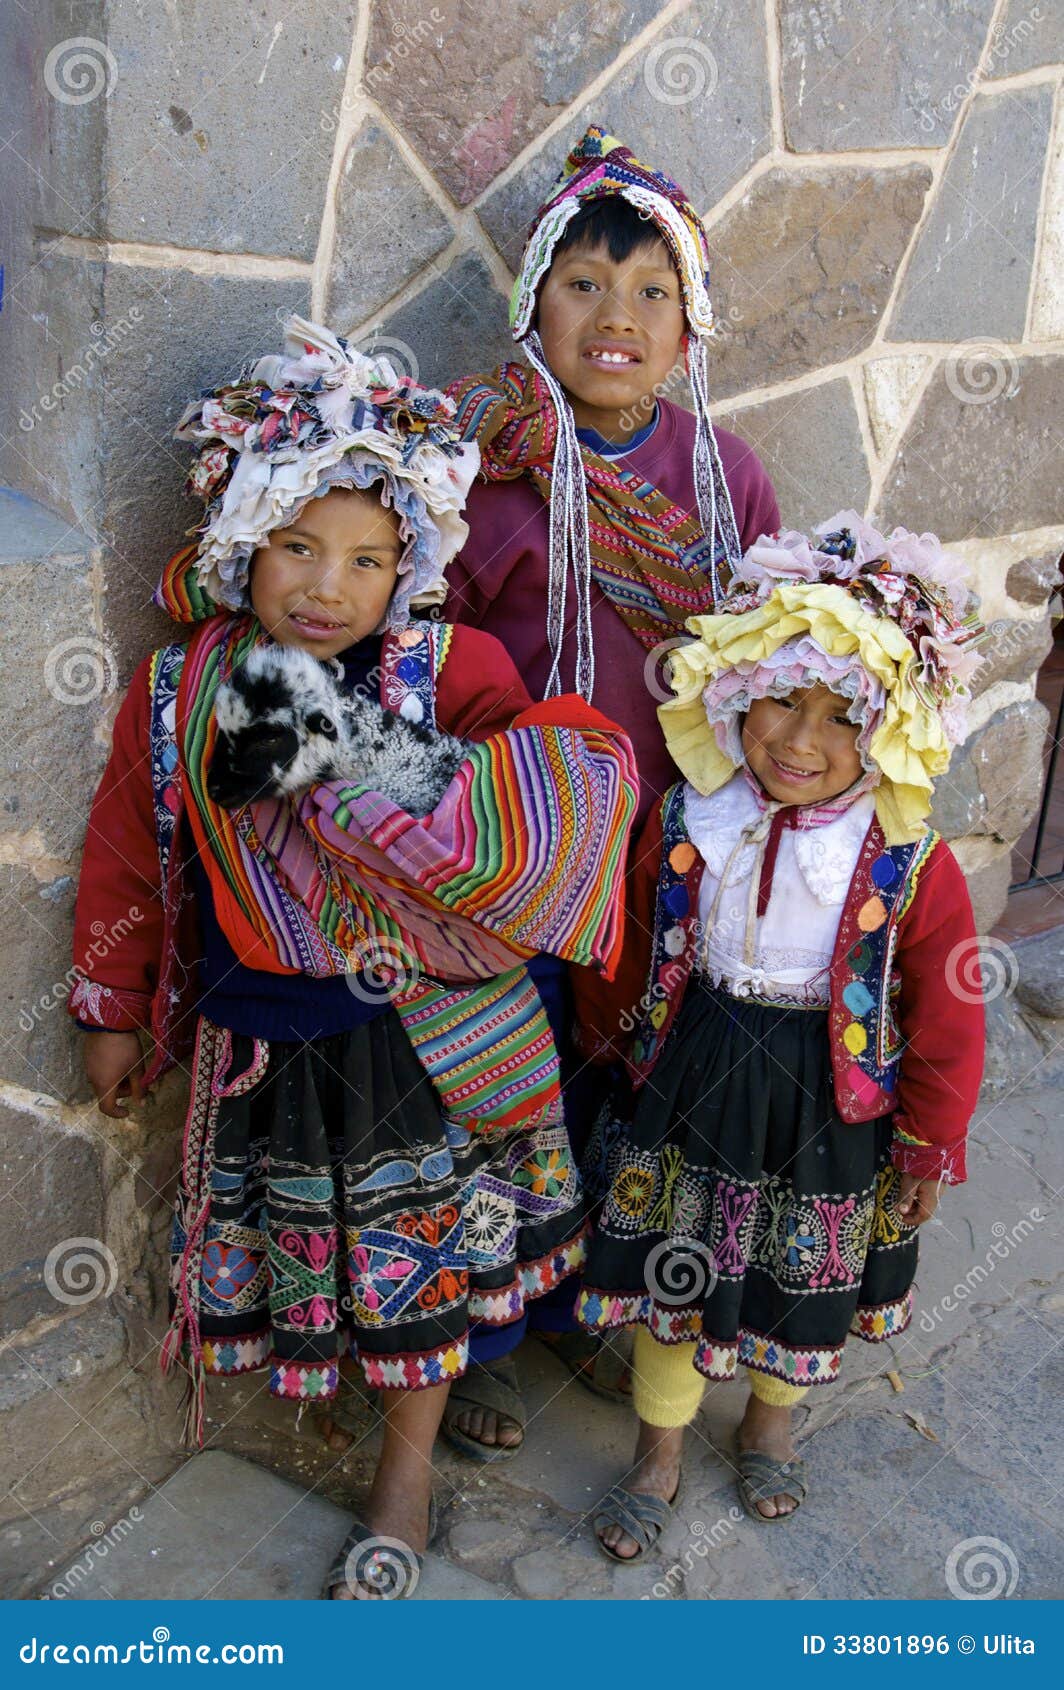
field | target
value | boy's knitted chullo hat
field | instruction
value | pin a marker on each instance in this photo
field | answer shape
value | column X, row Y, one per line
column 596, row 168
column 290, row 428
column 887, row 622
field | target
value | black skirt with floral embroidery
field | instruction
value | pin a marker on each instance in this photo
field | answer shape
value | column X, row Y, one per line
column 325, row 1208
column 738, row 1209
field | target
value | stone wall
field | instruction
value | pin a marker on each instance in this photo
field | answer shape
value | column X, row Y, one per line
column 884, row 193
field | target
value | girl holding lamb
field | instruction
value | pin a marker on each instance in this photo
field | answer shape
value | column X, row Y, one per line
column 352, row 834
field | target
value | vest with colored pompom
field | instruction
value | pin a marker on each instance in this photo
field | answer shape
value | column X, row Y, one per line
column 866, row 1044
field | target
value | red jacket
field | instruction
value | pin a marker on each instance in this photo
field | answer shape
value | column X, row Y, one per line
column 499, row 582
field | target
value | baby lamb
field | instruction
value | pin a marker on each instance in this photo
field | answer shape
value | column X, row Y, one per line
column 283, row 724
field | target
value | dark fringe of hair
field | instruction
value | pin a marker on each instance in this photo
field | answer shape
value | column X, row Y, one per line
column 610, row 222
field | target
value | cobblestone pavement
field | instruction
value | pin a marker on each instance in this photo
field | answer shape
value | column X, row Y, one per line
column 901, row 1482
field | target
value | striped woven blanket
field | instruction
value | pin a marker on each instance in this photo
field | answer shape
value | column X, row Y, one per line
column 524, row 853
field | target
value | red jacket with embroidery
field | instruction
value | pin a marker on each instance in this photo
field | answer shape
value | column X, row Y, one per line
column 121, row 917
column 939, row 1017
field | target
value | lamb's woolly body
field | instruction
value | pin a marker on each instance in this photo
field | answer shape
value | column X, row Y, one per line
column 284, row 724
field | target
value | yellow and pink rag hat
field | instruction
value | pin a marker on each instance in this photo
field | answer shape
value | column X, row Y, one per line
column 887, row 622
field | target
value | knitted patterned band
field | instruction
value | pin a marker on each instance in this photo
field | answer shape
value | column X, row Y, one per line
column 648, row 555
column 897, row 606
column 597, row 167
column 291, row 428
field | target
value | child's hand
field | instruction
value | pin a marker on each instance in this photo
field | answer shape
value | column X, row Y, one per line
column 917, row 1199
column 114, row 1063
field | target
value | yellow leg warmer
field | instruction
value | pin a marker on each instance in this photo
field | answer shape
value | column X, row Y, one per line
column 775, row 1392
column 666, row 1388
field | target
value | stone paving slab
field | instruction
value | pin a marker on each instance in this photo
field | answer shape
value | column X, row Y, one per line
column 223, row 1529
column 968, row 1449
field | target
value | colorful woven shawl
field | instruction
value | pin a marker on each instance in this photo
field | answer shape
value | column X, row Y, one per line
column 523, row 853
column 650, row 557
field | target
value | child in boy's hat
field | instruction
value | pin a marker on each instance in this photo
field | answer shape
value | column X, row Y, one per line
column 606, row 514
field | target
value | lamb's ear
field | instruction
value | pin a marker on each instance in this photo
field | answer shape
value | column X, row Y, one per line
column 319, row 723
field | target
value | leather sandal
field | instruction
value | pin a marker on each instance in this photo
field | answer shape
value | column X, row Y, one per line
column 494, row 1388
column 640, row 1516
column 761, row 1477
column 610, row 1362
column 385, row 1565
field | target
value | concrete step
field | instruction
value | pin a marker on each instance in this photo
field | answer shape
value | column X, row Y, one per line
column 223, row 1529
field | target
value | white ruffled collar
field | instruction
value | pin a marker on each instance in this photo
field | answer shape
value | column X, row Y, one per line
column 826, row 855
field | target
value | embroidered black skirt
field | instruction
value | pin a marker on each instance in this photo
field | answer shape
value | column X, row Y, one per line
column 739, row 1210
column 325, row 1208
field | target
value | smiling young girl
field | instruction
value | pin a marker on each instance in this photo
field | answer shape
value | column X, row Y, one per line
column 800, row 1073
column 374, row 1153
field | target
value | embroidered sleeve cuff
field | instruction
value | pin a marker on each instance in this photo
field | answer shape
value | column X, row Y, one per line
column 929, row 1161
column 96, row 1007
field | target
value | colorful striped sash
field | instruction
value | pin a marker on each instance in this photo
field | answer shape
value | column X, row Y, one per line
column 524, row 853
column 650, row 557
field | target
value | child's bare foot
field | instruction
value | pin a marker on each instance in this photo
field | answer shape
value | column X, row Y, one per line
column 768, row 1430
column 335, row 1434
column 656, row 1472
column 344, row 1419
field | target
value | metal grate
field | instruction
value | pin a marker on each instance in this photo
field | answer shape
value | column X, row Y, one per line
column 1049, row 793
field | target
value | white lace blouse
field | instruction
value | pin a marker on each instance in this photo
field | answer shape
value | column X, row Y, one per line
column 787, row 952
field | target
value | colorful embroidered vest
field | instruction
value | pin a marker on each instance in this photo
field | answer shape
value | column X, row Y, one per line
column 865, row 1042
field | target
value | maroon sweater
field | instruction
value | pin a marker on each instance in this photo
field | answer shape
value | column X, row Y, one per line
column 499, row 583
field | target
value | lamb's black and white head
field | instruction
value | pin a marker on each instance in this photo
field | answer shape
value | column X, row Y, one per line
column 278, row 719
